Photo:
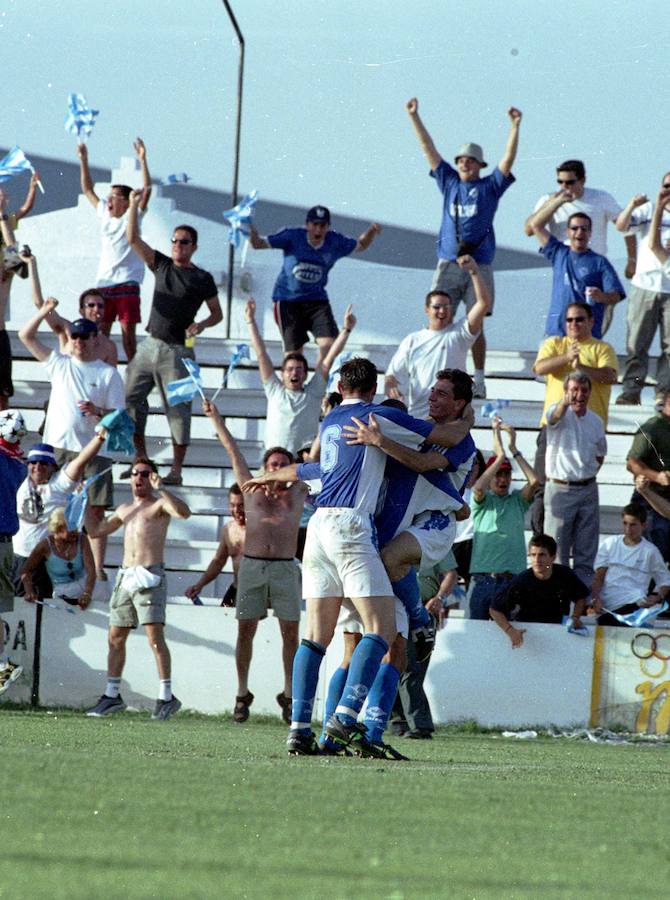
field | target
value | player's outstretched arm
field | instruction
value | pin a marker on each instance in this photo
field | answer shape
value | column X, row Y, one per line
column 371, row 435
column 285, row 475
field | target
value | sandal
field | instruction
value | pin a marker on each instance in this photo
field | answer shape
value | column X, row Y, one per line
column 285, row 703
column 242, row 704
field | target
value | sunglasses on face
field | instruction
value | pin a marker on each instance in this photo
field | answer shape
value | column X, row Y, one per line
column 182, row 241
column 566, row 181
column 80, row 337
column 141, row 473
column 575, row 318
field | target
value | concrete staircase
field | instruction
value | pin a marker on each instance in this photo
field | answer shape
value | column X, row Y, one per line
column 208, row 473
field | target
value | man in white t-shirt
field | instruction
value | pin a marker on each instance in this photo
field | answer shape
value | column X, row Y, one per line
column 649, row 299
column 576, row 448
column 83, row 390
column 600, row 206
column 625, row 565
column 443, row 344
column 293, row 407
column 120, row 270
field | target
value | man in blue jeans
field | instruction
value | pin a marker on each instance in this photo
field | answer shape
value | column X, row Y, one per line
column 499, row 545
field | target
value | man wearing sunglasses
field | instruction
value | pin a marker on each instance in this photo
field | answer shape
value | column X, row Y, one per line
column 558, row 356
column 140, row 591
column 579, row 273
column 180, row 290
column 573, row 196
column 83, row 390
column 649, row 303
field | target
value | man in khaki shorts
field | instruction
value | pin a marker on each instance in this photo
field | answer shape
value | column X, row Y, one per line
column 139, row 595
column 268, row 576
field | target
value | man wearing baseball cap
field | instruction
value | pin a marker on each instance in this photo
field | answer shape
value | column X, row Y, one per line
column 469, row 205
column 83, row 390
column 300, row 298
column 12, row 473
column 499, row 546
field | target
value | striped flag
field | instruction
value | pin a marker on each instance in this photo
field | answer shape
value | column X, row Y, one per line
column 14, row 163
column 80, row 118
column 184, row 389
column 240, row 217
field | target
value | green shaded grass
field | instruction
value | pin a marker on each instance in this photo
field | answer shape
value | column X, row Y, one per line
column 200, row 807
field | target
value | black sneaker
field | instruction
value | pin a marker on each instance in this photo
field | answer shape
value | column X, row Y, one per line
column 424, row 640
column 377, row 750
column 299, row 744
column 328, row 750
column 106, row 706
column 344, row 734
column 164, row 709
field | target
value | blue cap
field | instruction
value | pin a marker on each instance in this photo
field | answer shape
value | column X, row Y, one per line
column 83, row 326
column 42, row 453
column 318, row 214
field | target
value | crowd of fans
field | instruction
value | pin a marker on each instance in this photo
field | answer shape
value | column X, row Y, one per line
column 45, row 552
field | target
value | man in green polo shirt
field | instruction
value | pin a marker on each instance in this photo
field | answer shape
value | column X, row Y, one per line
column 499, row 545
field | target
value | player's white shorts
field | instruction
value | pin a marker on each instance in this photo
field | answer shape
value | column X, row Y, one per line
column 341, row 558
column 435, row 533
column 349, row 619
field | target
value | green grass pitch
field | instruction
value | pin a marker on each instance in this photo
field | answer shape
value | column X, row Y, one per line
column 201, row 807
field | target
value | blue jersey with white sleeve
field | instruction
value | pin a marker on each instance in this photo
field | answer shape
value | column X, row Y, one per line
column 304, row 272
column 352, row 474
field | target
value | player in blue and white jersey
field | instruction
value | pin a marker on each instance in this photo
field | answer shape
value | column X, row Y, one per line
column 299, row 294
column 341, row 556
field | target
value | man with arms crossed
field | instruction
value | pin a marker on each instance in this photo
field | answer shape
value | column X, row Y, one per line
column 268, row 575
column 341, row 558
column 140, row 592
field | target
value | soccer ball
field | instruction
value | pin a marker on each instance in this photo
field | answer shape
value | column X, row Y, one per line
column 12, row 426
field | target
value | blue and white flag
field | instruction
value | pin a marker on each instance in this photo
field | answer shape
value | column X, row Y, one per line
column 80, row 118
column 185, row 389
column 492, row 409
column 639, row 617
column 176, row 178
column 14, row 163
column 240, row 218
column 241, row 352
column 75, row 509
column 333, row 378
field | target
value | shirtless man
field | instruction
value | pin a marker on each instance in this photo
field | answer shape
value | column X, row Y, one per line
column 139, row 595
column 231, row 545
column 91, row 306
column 268, row 574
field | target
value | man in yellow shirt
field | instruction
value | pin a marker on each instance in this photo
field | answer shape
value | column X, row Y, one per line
column 558, row 357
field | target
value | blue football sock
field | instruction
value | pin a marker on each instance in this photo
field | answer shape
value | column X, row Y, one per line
column 306, row 665
column 380, row 701
column 363, row 669
column 335, row 688
column 408, row 592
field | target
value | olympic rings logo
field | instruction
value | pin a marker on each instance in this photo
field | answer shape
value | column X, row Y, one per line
column 647, row 646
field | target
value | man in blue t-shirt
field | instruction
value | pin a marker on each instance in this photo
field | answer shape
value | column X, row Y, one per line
column 469, row 205
column 579, row 274
column 301, row 301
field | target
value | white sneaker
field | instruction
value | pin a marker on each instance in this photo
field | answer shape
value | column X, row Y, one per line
column 479, row 391
column 8, row 675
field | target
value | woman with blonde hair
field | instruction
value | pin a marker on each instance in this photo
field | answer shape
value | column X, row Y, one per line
column 68, row 559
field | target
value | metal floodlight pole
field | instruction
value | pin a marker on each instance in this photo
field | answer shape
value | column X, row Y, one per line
column 236, row 161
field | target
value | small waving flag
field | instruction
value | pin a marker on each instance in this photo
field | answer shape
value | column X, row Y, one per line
column 241, row 352
column 184, row 389
column 176, row 178
column 80, row 118
column 14, row 163
column 639, row 617
column 240, row 217
column 75, row 509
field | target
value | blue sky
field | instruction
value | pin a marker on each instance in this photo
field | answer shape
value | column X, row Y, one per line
column 325, row 87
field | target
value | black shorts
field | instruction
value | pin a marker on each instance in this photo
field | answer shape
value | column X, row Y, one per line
column 6, row 386
column 296, row 318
